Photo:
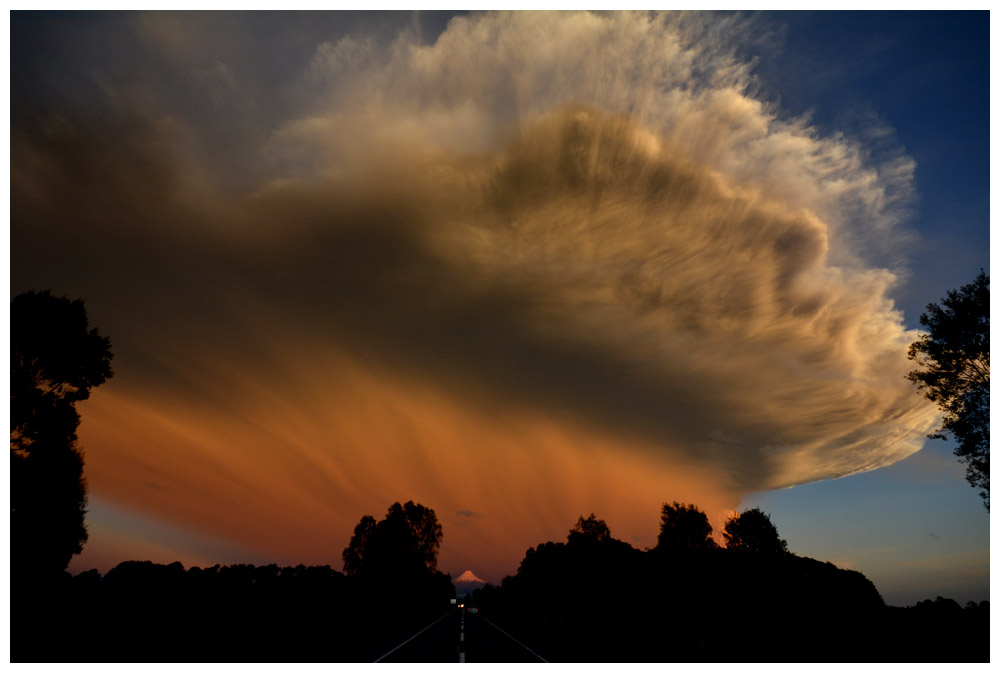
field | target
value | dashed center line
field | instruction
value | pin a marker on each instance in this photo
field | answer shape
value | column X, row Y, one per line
column 461, row 639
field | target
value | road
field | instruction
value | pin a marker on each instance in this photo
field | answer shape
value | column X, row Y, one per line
column 464, row 637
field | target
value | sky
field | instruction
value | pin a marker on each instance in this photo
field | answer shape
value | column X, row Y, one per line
column 516, row 267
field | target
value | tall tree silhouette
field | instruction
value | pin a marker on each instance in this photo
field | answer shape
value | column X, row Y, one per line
column 753, row 531
column 55, row 361
column 684, row 527
column 407, row 539
column 955, row 358
column 358, row 546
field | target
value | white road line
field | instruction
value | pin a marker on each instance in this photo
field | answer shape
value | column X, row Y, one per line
column 512, row 638
column 461, row 639
column 412, row 637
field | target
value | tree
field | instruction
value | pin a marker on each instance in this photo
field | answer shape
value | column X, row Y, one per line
column 954, row 356
column 405, row 541
column 590, row 529
column 753, row 531
column 355, row 551
column 55, row 360
column 684, row 527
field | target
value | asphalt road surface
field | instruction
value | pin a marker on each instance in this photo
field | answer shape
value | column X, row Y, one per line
column 464, row 637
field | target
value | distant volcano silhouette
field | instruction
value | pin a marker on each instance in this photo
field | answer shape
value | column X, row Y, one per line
column 467, row 582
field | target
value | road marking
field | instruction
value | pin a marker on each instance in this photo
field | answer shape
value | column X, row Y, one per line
column 461, row 639
column 412, row 637
column 512, row 638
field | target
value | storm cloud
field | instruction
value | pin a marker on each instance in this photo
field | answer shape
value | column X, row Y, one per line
column 532, row 266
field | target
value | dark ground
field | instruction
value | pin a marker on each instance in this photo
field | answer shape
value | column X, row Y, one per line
column 565, row 606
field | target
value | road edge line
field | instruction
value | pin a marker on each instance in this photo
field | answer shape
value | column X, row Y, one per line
column 544, row 660
column 417, row 634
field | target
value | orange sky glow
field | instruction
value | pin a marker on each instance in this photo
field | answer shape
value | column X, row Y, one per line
column 290, row 475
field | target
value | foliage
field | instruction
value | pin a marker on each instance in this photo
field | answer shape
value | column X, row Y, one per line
column 355, row 550
column 55, row 360
column 954, row 356
column 590, row 529
column 582, row 601
column 752, row 531
column 684, row 527
column 407, row 539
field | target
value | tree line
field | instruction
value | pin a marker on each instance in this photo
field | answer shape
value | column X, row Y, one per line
column 144, row 611
column 594, row 598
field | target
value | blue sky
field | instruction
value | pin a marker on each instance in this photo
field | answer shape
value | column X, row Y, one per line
column 914, row 528
column 925, row 74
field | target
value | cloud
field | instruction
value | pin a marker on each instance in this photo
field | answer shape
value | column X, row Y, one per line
column 681, row 75
column 547, row 264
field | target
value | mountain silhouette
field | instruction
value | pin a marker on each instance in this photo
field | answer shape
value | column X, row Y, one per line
column 467, row 582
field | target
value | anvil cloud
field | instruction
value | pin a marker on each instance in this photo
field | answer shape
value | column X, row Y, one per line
column 541, row 265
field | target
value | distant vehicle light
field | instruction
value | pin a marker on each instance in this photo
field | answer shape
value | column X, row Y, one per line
column 473, row 610
column 461, row 605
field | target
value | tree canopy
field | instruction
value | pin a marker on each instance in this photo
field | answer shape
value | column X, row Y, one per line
column 406, row 540
column 954, row 360
column 684, row 527
column 56, row 358
column 752, row 531
column 590, row 529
